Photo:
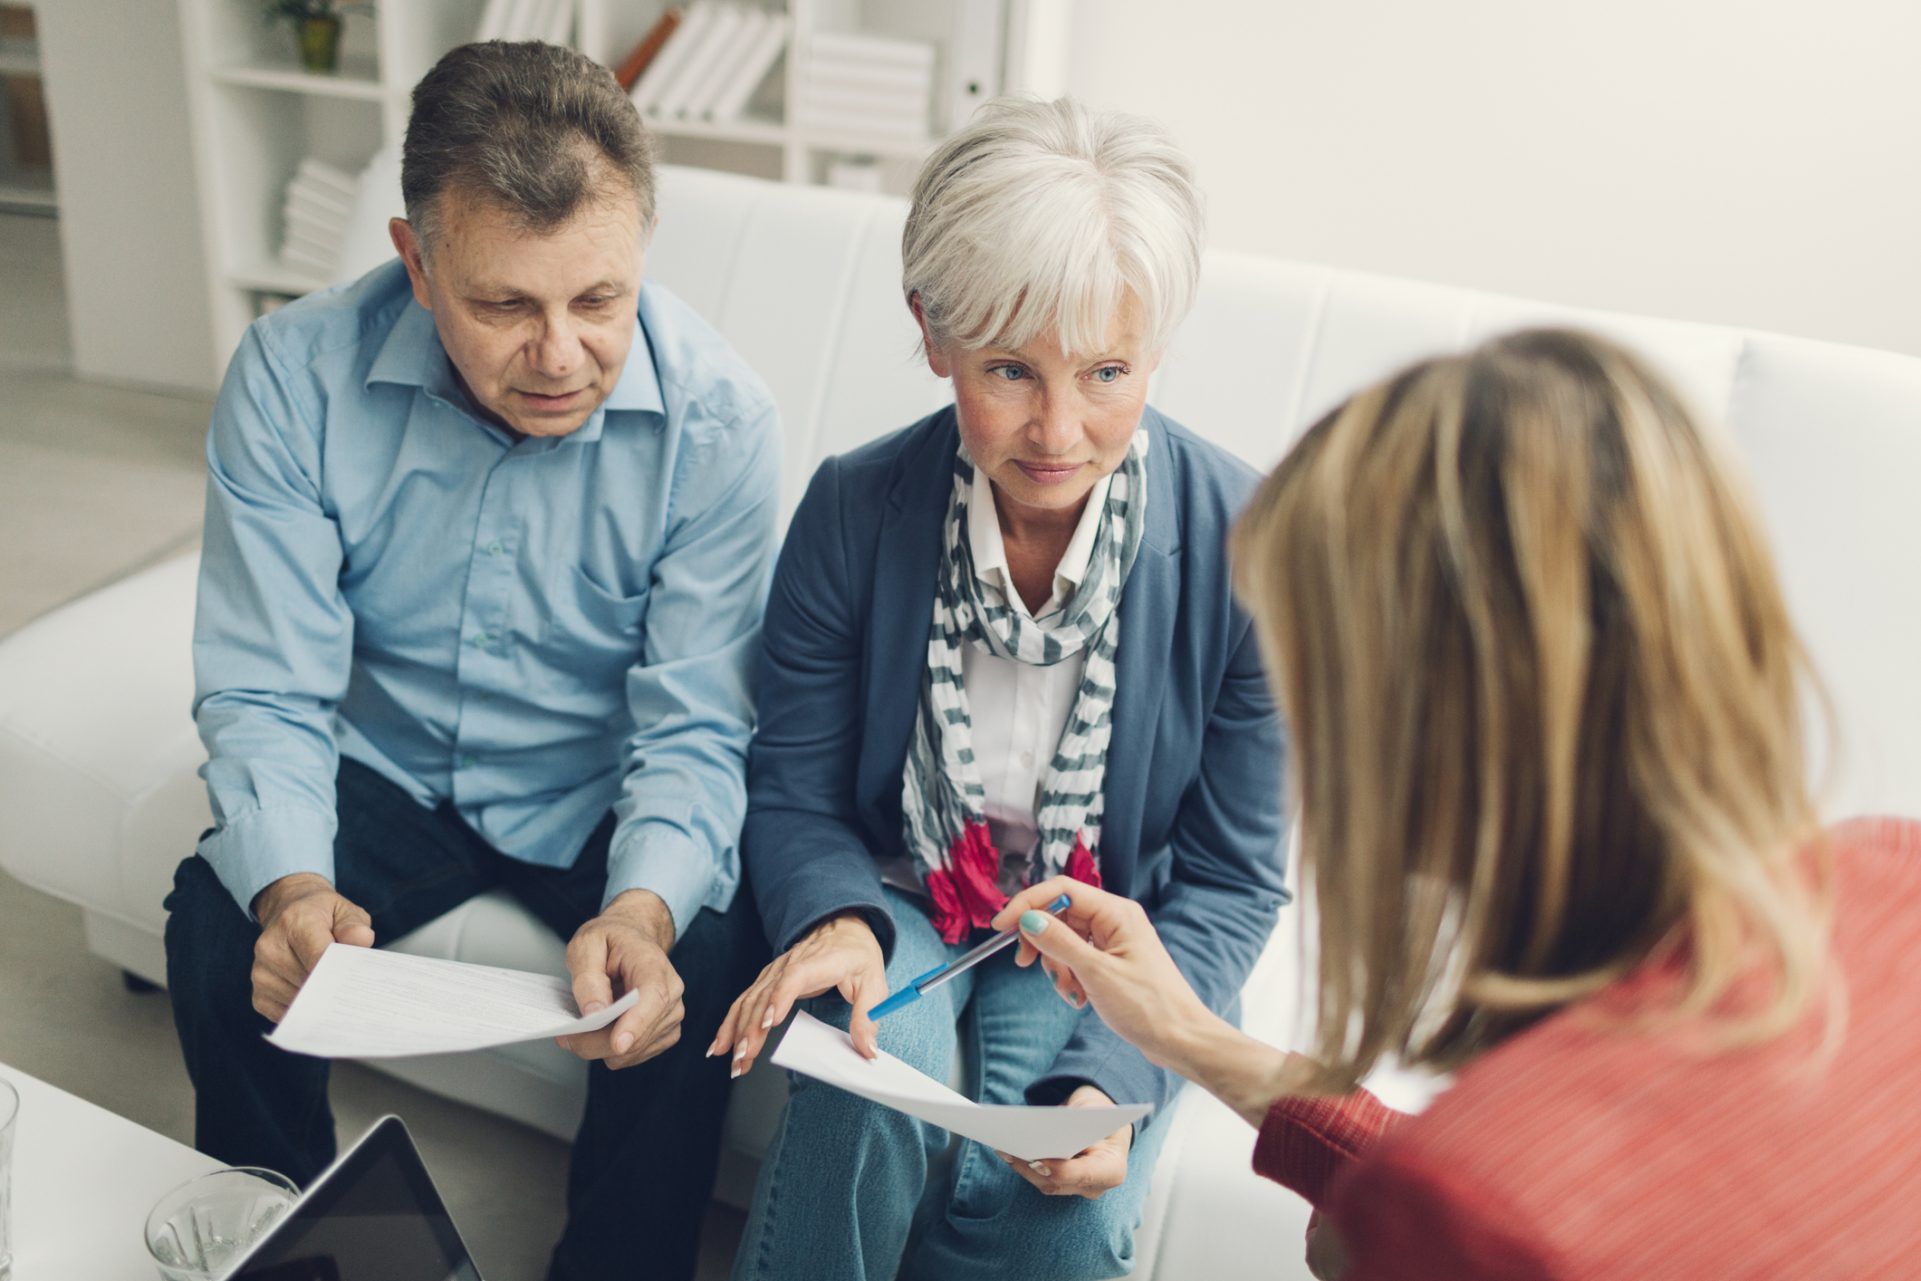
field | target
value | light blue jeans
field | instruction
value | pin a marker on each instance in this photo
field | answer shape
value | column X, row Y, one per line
column 845, row 1190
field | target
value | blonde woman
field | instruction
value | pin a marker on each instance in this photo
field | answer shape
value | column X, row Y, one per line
column 1547, row 709
column 1001, row 646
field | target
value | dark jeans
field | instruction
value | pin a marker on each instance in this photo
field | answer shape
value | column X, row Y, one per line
column 644, row 1159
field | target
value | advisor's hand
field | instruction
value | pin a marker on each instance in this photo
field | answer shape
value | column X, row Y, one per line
column 624, row 949
column 1091, row 1173
column 1103, row 949
column 299, row 916
column 1326, row 1253
column 840, row 954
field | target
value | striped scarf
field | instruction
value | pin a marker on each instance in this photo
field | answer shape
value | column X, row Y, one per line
column 942, row 801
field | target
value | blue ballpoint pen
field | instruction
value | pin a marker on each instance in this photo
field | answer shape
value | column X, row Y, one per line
column 941, row 973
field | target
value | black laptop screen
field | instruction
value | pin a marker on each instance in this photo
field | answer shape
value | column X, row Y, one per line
column 374, row 1217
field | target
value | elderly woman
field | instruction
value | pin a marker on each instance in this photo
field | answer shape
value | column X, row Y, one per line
column 1002, row 647
column 1547, row 709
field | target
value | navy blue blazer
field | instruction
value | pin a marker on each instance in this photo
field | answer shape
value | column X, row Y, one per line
column 1192, row 826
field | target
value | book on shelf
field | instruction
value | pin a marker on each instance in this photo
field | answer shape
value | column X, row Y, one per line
column 318, row 206
column 860, row 124
column 862, row 47
column 892, row 103
column 757, row 58
column 301, row 258
column 549, row 20
column 649, row 48
column 320, row 224
column 853, row 73
column 672, row 56
column 334, row 180
column 855, row 83
column 694, row 79
column 321, row 201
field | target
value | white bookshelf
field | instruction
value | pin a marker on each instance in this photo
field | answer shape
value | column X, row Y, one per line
column 1028, row 39
column 256, row 112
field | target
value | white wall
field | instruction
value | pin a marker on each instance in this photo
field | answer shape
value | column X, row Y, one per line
column 1747, row 162
column 129, row 219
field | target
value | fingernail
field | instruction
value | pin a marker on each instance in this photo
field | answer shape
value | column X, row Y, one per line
column 1033, row 922
column 735, row 1074
column 767, row 1019
column 622, row 1042
column 740, row 1054
column 1044, row 1172
column 593, row 1007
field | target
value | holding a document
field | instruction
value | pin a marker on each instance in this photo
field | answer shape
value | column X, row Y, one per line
column 1001, row 647
column 477, row 610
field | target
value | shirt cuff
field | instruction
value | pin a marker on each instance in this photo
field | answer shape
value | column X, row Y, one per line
column 666, row 861
column 1308, row 1139
column 252, row 851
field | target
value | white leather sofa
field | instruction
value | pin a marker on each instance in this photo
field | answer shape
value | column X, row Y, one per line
column 99, row 798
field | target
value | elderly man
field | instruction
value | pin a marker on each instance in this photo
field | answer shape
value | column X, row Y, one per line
column 486, row 546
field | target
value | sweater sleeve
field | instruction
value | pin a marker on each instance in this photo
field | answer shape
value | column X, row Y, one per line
column 1306, row 1141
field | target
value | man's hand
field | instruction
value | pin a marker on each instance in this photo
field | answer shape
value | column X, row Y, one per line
column 840, row 953
column 1093, row 1172
column 299, row 916
column 624, row 949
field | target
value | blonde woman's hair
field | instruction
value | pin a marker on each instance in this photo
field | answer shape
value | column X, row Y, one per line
column 1042, row 216
column 1545, row 701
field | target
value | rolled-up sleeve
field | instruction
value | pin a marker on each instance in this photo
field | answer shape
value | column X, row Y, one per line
column 683, row 795
column 1227, row 882
column 273, row 636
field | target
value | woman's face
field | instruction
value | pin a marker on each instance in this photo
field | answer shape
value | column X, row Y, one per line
column 1045, row 426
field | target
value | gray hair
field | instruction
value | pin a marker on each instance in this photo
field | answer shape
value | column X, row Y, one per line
column 1048, row 215
column 538, row 130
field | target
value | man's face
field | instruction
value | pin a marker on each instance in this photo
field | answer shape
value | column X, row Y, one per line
column 537, row 324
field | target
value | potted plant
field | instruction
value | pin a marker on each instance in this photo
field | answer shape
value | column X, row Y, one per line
column 317, row 25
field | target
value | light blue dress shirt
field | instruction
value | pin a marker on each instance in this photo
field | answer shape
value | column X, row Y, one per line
column 535, row 629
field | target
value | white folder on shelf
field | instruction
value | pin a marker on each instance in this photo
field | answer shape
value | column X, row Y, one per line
column 706, row 60
column 667, row 63
column 752, row 69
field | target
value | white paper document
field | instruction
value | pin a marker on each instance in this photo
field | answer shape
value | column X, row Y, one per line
column 363, row 1003
column 814, row 1049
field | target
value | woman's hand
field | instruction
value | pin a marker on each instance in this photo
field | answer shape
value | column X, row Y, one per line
column 841, row 954
column 1104, row 949
column 1091, row 1173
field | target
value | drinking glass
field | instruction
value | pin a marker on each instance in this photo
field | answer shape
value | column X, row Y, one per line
column 201, row 1227
column 9, row 1113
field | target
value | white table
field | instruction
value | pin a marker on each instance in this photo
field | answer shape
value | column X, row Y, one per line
column 83, row 1181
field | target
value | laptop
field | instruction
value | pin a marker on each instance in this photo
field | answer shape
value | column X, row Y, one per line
column 374, row 1215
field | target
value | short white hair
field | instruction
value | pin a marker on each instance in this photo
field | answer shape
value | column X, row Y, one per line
column 1049, row 215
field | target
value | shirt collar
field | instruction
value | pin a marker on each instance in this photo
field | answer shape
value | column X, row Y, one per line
column 412, row 356
column 990, row 552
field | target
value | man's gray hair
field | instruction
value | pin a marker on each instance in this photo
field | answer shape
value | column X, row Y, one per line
column 535, row 129
column 1042, row 216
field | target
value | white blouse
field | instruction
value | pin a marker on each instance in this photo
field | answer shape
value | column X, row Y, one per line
column 1018, row 709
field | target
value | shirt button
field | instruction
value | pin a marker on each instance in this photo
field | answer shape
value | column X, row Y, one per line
column 466, row 762
column 494, row 548
column 478, row 640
